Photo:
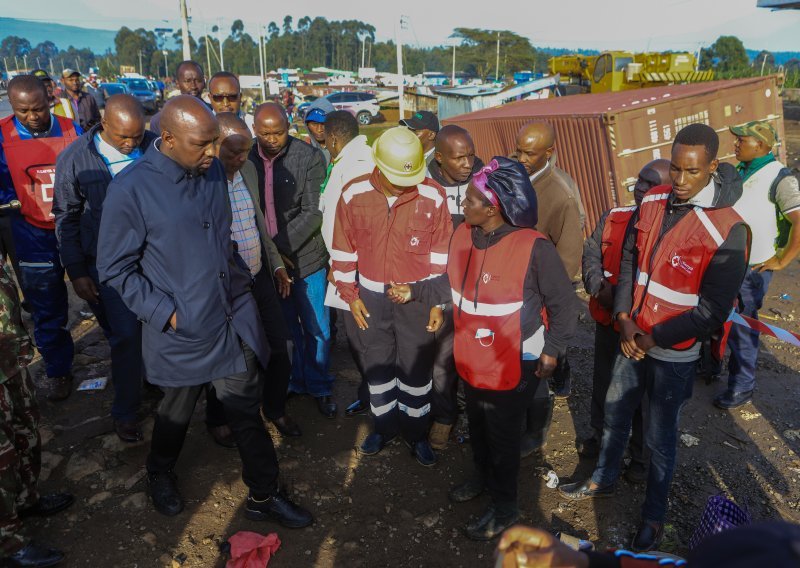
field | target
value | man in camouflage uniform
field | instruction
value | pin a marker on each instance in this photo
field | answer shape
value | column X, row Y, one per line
column 20, row 444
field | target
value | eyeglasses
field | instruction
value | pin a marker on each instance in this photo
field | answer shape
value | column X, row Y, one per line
column 220, row 97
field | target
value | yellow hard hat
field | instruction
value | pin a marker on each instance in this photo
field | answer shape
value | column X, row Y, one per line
column 399, row 156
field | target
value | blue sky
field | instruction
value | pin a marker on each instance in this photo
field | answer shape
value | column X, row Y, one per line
column 595, row 24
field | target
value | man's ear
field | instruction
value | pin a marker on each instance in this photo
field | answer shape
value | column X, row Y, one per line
column 549, row 152
column 713, row 165
column 437, row 155
column 167, row 138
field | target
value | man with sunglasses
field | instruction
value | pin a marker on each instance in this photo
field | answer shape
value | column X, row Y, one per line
column 225, row 94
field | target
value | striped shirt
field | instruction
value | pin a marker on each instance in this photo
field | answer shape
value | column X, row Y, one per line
column 244, row 229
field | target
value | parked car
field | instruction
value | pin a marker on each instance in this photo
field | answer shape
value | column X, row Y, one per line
column 302, row 108
column 141, row 89
column 110, row 89
column 157, row 92
column 364, row 106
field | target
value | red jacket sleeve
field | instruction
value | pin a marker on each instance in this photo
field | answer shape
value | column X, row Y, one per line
column 344, row 256
column 440, row 240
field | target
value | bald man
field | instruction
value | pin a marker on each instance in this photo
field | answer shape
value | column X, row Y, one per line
column 83, row 174
column 290, row 176
column 191, row 80
column 165, row 246
column 602, row 254
column 560, row 214
column 30, row 141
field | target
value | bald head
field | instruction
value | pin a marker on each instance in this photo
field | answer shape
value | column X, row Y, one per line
column 271, row 126
column 123, row 123
column 230, row 123
column 535, row 145
column 28, row 98
column 455, row 154
column 234, row 143
column 653, row 174
column 188, row 133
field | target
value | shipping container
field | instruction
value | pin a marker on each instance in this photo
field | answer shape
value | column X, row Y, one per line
column 603, row 140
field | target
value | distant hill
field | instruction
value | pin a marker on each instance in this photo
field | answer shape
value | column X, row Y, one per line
column 99, row 41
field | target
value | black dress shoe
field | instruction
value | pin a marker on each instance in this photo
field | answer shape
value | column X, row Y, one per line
column 562, row 387
column 579, row 491
column 491, row 524
column 287, row 427
column 128, row 431
column 34, row 555
column 223, row 436
column 469, row 490
column 163, row 489
column 374, row 443
column 648, row 536
column 355, row 409
column 733, row 399
column 277, row 508
column 636, row 472
column 589, row 447
column 57, row 388
column 326, row 406
column 423, row 452
column 49, row 504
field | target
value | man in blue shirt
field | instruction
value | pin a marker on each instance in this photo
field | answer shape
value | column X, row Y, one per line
column 30, row 140
column 165, row 245
column 83, row 173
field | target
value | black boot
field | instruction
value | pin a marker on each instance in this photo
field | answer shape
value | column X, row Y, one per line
column 540, row 415
column 491, row 524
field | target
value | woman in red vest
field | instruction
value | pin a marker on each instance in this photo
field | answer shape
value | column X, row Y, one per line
column 514, row 311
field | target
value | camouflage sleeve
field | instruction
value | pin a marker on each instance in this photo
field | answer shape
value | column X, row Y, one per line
column 15, row 344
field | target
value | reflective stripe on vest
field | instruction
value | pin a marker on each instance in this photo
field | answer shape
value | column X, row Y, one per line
column 487, row 287
column 614, row 231
column 672, row 266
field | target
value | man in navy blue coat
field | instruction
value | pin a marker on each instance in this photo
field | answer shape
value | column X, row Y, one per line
column 165, row 245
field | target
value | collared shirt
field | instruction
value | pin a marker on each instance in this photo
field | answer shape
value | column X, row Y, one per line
column 115, row 160
column 270, row 218
column 244, row 229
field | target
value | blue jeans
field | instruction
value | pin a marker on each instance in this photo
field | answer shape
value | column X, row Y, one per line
column 123, row 330
column 743, row 341
column 668, row 386
column 308, row 319
column 46, row 293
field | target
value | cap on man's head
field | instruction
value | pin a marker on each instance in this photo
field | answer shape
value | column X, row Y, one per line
column 41, row 74
column 318, row 110
column 422, row 120
column 760, row 129
column 69, row 73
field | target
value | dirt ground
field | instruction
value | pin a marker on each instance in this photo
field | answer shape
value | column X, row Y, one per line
column 387, row 510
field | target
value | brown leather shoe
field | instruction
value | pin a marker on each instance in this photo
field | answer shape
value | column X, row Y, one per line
column 287, row 427
column 128, row 431
column 223, row 436
column 439, row 435
column 57, row 388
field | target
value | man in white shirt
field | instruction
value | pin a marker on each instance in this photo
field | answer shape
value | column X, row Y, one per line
column 767, row 185
column 351, row 158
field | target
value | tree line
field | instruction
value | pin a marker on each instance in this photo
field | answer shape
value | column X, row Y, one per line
column 343, row 44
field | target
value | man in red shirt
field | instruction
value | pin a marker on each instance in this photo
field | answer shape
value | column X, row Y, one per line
column 393, row 225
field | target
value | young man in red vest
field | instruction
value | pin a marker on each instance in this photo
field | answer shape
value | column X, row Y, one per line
column 602, row 255
column 513, row 313
column 30, row 141
column 681, row 270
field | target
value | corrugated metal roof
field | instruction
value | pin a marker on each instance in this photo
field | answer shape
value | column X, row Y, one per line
column 600, row 103
column 470, row 91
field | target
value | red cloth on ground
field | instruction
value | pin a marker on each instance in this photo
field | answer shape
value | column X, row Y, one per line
column 252, row 550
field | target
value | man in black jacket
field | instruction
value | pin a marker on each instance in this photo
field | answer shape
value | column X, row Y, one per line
column 454, row 163
column 290, row 174
column 83, row 173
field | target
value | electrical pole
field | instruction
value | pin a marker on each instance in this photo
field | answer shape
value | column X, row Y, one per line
column 187, row 51
column 208, row 53
column 764, row 62
column 400, row 78
column 16, row 64
column 221, row 54
column 166, row 65
column 363, row 50
column 261, row 62
column 453, row 72
column 497, row 62
column 140, row 62
column 25, row 61
column 52, row 71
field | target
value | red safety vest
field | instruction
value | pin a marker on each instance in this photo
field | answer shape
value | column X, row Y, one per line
column 32, row 164
column 614, row 230
column 672, row 267
column 488, row 344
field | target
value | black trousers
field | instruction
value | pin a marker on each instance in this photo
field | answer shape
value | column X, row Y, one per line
column 445, row 378
column 356, row 345
column 275, row 377
column 7, row 249
column 398, row 356
column 495, row 432
column 606, row 348
column 240, row 395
